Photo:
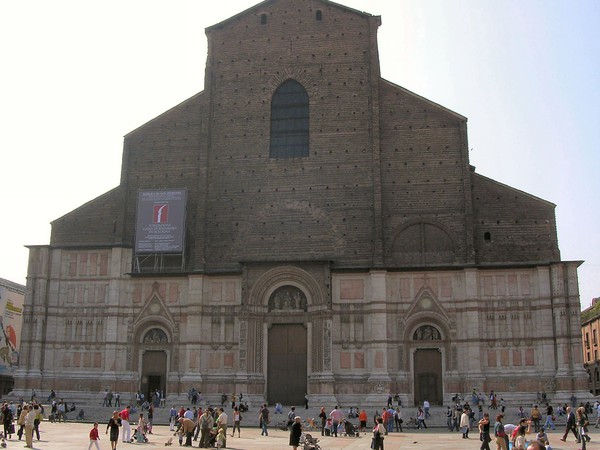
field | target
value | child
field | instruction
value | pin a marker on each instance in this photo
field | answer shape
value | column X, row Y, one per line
column 221, row 438
column 94, row 438
column 542, row 436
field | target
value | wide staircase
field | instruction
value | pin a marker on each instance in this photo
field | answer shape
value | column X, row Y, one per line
column 95, row 412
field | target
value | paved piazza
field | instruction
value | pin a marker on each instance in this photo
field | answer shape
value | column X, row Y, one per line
column 74, row 436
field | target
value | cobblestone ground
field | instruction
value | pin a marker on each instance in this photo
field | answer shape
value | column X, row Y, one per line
column 74, row 436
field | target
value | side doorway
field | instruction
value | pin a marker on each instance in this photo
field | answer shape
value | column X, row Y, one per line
column 428, row 376
column 154, row 372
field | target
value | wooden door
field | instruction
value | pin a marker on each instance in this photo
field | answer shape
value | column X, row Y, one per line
column 428, row 376
column 286, row 364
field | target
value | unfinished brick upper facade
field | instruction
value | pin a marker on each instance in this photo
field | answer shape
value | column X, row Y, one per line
column 383, row 230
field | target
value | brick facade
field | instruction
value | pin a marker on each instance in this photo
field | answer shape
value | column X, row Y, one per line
column 382, row 233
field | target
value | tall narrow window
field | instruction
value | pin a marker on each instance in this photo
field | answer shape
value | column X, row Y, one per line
column 319, row 15
column 289, row 121
column 263, row 19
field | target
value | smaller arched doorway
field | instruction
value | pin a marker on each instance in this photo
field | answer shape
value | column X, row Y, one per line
column 427, row 366
column 153, row 375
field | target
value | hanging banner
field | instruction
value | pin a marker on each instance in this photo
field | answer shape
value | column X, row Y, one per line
column 160, row 221
column 12, row 299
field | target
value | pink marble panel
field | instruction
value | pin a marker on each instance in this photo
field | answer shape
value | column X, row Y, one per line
column 344, row 360
column 379, row 359
column 352, row 289
column 359, row 360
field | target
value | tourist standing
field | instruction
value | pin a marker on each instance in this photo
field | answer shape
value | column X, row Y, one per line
column 570, row 426
column 237, row 418
column 113, row 425
column 323, row 417
column 336, row 416
column 464, row 424
column 296, row 432
column 500, row 434
column 29, row 424
column 206, row 424
column 124, row 416
column 263, row 417
column 484, row 432
column 94, row 437
column 222, row 423
column 172, row 418
column 378, row 433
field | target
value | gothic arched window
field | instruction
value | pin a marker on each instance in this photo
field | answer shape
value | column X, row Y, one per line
column 289, row 121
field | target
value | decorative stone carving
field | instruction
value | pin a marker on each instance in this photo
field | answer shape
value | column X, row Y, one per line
column 155, row 336
column 287, row 298
column 427, row 333
column 327, row 346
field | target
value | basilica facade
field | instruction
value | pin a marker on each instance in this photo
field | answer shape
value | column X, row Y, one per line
column 330, row 238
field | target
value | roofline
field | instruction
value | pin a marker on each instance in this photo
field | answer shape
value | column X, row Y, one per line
column 266, row 2
column 549, row 203
column 163, row 113
column 12, row 286
column 104, row 194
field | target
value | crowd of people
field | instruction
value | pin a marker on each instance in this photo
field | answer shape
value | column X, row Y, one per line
column 28, row 417
column 209, row 425
column 462, row 417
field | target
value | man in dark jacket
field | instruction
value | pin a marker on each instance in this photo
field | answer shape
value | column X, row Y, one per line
column 571, row 426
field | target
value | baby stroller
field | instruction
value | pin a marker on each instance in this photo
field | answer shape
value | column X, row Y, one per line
column 283, row 425
column 139, row 434
column 412, row 423
column 212, row 437
column 309, row 443
column 350, row 429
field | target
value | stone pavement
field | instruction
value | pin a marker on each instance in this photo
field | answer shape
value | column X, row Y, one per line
column 74, row 436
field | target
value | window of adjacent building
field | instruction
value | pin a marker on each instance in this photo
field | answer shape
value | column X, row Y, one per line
column 289, row 121
column 487, row 236
column 263, row 19
column 595, row 341
column 319, row 15
column 587, row 341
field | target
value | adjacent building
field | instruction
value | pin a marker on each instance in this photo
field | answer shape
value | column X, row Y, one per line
column 590, row 332
column 303, row 225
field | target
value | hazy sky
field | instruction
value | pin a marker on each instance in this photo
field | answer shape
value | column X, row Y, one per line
column 78, row 75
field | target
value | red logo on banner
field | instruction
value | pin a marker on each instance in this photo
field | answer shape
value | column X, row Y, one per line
column 161, row 213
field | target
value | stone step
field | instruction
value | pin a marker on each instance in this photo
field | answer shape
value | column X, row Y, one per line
column 93, row 412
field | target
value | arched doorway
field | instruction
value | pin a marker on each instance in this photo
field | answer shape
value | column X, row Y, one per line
column 427, row 364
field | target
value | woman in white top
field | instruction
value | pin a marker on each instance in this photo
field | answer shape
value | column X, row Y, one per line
column 237, row 418
column 520, row 440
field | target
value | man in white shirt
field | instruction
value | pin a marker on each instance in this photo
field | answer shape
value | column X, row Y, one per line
column 335, row 416
column 188, row 414
column 222, row 423
column 426, row 407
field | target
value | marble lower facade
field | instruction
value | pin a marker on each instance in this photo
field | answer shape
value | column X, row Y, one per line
column 276, row 332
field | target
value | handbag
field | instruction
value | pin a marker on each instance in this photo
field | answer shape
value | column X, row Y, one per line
column 11, row 429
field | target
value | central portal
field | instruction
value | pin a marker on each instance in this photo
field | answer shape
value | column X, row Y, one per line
column 286, row 372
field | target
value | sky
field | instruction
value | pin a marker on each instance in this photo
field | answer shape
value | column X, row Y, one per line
column 78, row 75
